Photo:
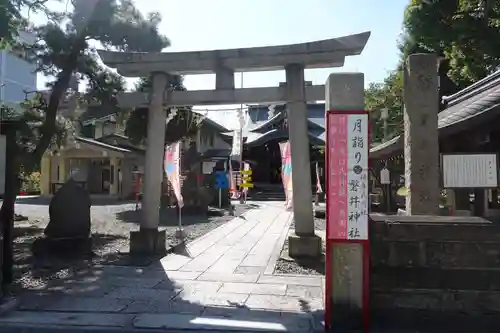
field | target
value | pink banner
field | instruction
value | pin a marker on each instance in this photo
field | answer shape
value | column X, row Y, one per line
column 232, row 182
column 319, row 189
column 286, row 171
column 337, row 176
column 172, row 169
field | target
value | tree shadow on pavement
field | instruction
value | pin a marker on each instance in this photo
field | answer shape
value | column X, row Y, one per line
column 169, row 215
column 95, row 201
column 82, row 286
column 32, row 269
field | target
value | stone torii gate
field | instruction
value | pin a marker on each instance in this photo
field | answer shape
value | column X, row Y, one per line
column 224, row 63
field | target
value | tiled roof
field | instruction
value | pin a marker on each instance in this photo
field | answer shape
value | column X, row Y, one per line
column 261, row 138
column 97, row 112
column 102, row 145
column 474, row 101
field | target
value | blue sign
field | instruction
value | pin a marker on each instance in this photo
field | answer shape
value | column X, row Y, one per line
column 221, row 181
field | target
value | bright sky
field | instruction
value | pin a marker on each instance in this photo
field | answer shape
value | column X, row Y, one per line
column 221, row 24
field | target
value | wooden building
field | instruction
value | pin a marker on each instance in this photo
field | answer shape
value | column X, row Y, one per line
column 469, row 123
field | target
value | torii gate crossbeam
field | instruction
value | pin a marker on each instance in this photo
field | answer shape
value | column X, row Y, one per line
column 224, row 63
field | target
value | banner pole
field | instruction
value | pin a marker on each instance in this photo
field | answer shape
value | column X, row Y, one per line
column 180, row 217
column 180, row 188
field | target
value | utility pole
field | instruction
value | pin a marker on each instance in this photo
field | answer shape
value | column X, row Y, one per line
column 241, row 120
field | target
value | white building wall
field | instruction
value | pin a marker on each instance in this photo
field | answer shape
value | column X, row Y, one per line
column 17, row 76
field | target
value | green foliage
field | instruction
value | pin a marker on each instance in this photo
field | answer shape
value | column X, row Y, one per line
column 63, row 51
column 465, row 31
column 386, row 95
column 184, row 124
column 12, row 20
column 30, row 182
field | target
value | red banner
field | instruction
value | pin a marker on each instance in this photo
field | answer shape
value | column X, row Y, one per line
column 172, row 169
column 286, row 171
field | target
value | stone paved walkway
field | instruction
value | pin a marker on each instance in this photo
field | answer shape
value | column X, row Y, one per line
column 221, row 281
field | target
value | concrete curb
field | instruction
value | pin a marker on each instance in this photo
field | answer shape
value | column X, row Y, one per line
column 9, row 304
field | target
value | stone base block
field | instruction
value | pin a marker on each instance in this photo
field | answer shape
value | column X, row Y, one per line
column 62, row 247
column 148, row 242
column 304, row 246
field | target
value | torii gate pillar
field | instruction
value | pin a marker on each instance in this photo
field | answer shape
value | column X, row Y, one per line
column 304, row 243
column 149, row 239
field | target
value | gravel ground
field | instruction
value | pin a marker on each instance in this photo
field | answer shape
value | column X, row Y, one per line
column 111, row 226
column 287, row 265
column 319, row 224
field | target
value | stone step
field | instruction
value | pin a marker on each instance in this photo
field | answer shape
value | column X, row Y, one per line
column 68, row 319
column 31, row 321
column 277, row 323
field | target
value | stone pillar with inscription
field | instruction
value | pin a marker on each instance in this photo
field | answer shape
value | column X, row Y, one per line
column 345, row 92
column 421, row 142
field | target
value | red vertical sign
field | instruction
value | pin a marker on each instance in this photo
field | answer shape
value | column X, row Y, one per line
column 347, row 150
column 337, row 176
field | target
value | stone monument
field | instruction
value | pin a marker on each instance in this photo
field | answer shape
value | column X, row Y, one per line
column 421, row 143
column 69, row 226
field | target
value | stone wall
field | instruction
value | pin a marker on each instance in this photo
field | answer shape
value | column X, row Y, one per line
column 440, row 265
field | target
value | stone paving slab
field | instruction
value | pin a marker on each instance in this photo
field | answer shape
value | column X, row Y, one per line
column 238, row 312
column 131, row 282
column 187, row 322
column 68, row 319
column 254, row 270
column 76, row 290
column 179, row 275
column 181, row 307
column 74, row 304
column 212, row 299
column 174, row 261
column 221, row 277
column 142, row 294
column 269, row 270
column 307, row 292
column 283, row 303
column 202, row 262
column 293, row 280
column 218, row 282
column 191, row 286
column 253, row 288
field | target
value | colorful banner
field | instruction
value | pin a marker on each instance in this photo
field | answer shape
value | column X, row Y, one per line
column 347, row 165
column 286, row 172
column 232, row 183
column 245, row 176
column 172, row 169
column 319, row 189
column 236, row 148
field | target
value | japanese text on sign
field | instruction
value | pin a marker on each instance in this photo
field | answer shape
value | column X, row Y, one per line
column 347, row 158
column 247, row 179
column 222, row 180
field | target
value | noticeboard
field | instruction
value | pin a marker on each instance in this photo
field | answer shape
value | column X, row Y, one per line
column 469, row 170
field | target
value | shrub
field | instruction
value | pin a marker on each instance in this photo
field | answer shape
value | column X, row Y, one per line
column 31, row 182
